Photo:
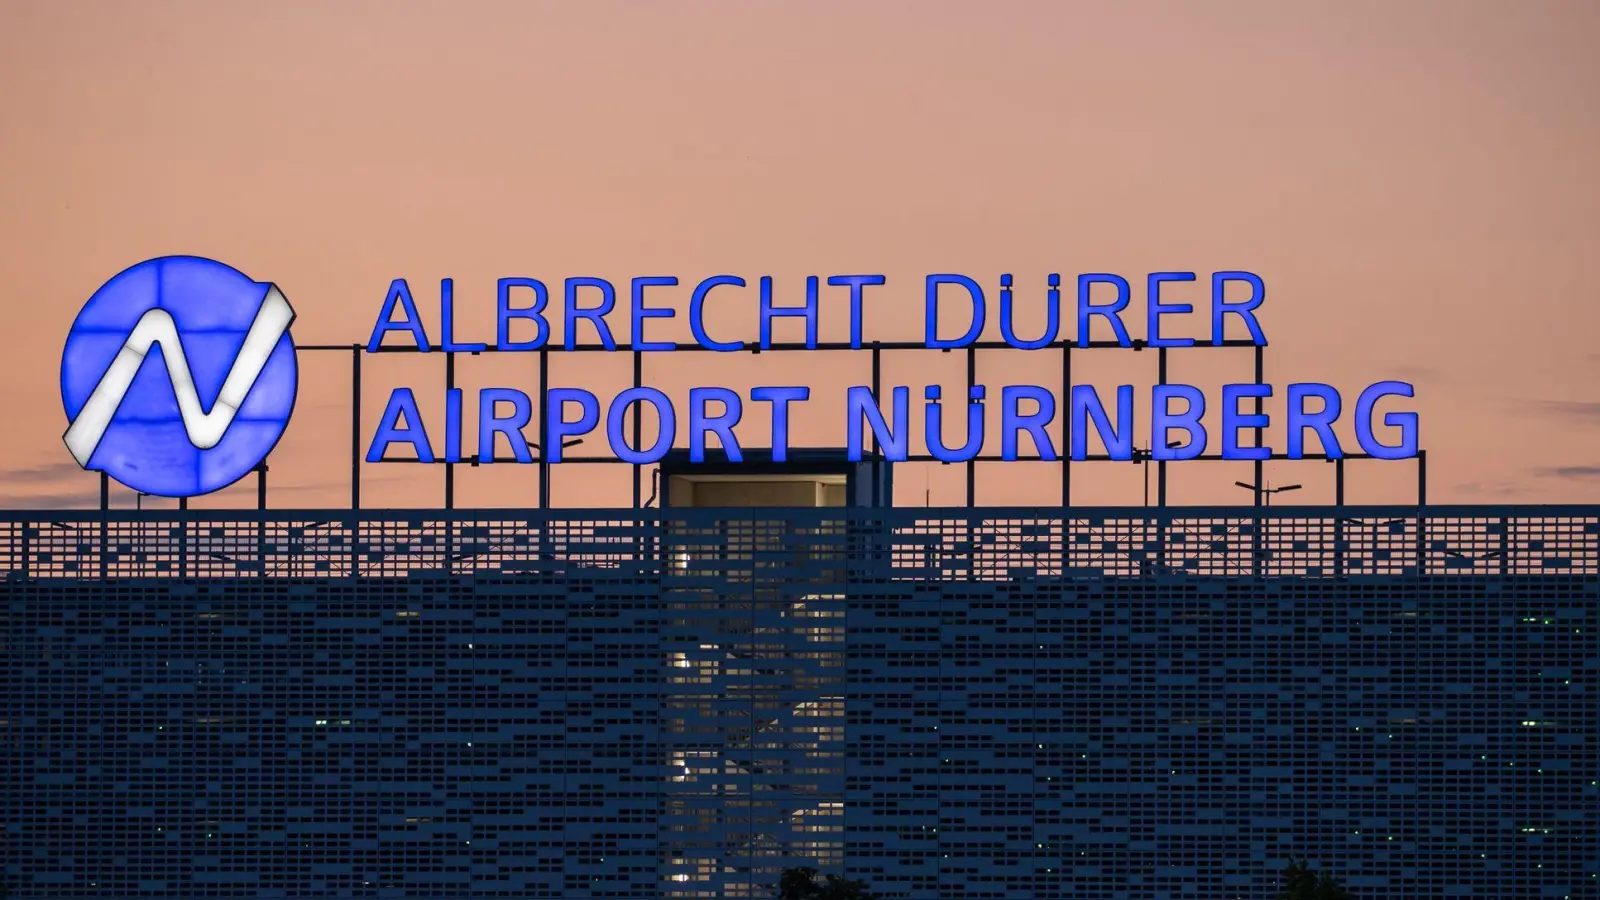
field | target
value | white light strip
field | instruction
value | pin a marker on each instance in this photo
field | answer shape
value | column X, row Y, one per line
column 156, row 326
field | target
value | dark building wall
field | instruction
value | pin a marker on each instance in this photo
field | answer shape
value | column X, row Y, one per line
column 524, row 736
column 1431, row 737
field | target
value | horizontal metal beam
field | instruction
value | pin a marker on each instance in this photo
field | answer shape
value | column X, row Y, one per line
column 791, row 346
column 1582, row 515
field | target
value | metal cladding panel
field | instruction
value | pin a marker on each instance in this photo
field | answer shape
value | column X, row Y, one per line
column 943, row 703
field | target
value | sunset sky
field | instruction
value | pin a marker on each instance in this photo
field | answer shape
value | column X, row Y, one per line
column 1415, row 181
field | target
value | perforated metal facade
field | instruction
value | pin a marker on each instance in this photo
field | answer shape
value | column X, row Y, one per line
column 943, row 703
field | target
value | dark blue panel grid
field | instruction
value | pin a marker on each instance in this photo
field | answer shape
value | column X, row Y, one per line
column 943, row 703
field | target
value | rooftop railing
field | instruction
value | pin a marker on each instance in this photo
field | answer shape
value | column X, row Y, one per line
column 991, row 544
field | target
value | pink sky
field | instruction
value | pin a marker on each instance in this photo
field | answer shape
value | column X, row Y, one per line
column 1414, row 180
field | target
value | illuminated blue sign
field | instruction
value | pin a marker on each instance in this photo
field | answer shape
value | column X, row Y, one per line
column 178, row 376
column 1171, row 410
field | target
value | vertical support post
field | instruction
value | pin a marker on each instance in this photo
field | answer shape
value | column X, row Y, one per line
column 1505, row 545
column 352, row 524
column 355, row 426
column 1256, row 542
column 972, row 464
column 1422, row 512
column 1421, row 548
column 1422, row 478
column 638, row 423
column 355, row 460
column 449, row 476
column 544, row 426
column 877, row 457
column 261, row 523
column 543, row 474
column 1338, row 518
column 353, row 534
column 1161, row 474
column 1066, row 425
column 1261, row 365
column 105, row 504
column 183, row 538
column 449, row 467
column 1338, row 545
column 1161, row 464
column 638, row 436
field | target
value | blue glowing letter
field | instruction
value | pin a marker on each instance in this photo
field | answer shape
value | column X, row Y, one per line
column 1012, row 420
column 556, row 427
column 859, row 403
column 596, row 315
column 504, row 314
column 931, row 323
column 452, row 425
column 856, row 282
column 666, row 422
column 1233, row 420
column 447, row 323
column 933, row 426
column 391, row 430
column 490, row 424
column 779, row 397
column 1052, row 312
column 399, row 295
column 641, row 312
column 770, row 312
column 1087, row 309
column 700, row 423
column 1300, row 419
column 697, row 313
column 1085, row 405
column 1220, row 307
column 1164, row 420
column 1406, row 422
column 1157, row 309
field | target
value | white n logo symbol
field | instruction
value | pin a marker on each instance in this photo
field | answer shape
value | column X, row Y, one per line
column 204, row 427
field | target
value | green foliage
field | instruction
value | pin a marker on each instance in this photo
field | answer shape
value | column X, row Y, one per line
column 1300, row 882
column 802, row 884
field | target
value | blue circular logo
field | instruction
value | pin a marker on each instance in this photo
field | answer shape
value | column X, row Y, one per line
column 178, row 376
